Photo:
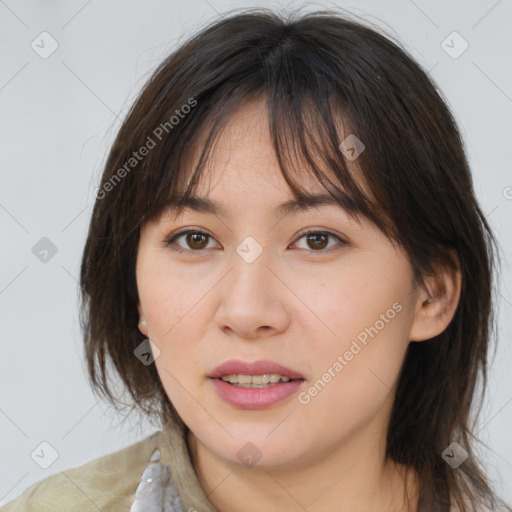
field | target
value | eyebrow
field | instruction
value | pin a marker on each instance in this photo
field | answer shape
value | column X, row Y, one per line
column 303, row 203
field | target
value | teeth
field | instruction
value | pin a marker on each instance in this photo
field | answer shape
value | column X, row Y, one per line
column 254, row 381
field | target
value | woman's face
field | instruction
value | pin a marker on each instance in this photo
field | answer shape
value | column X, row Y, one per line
column 334, row 310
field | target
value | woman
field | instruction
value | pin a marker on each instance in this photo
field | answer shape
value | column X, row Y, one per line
column 287, row 266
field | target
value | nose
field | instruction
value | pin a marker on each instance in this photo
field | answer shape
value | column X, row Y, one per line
column 253, row 300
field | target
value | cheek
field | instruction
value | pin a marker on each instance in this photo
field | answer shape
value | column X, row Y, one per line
column 354, row 303
column 355, row 383
column 171, row 306
column 179, row 360
column 358, row 358
column 169, row 300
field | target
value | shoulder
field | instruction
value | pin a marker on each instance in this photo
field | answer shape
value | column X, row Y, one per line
column 106, row 483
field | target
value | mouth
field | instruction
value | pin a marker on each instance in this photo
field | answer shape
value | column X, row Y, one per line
column 256, row 385
column 256, row 381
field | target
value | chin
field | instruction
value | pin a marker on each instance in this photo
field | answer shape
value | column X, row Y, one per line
column 250, row 449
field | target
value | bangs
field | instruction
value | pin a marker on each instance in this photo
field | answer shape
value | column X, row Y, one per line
column 306, row 133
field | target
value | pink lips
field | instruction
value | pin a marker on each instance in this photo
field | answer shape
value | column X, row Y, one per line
column 255, row 398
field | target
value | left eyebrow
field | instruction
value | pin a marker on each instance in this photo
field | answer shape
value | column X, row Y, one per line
column 304, row 203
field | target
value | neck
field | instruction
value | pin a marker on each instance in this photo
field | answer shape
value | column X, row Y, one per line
column 352, row 477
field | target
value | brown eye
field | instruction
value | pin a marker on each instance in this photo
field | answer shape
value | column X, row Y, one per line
column 317, row 241
column 196, row 240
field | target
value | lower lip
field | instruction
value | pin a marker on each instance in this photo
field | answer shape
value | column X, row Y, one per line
column 256, row 398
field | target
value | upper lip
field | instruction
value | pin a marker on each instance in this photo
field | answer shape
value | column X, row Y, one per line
column 235, row 366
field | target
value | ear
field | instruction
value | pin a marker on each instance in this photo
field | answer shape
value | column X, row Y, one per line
column 436, row 306
column 143, row 328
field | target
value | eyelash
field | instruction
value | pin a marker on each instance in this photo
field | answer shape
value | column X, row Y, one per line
column 171, row 241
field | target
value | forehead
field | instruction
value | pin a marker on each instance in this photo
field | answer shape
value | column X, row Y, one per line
column 243, row 149
column 241, row 170
column 243, row 155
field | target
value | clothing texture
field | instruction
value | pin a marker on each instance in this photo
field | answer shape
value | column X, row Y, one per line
column 151, row 475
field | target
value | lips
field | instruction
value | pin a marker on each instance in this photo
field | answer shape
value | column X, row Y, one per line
column 255, row 397
column 255, row 368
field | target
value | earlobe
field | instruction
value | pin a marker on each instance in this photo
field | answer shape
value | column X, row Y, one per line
column 435, row 309
column 142, row 321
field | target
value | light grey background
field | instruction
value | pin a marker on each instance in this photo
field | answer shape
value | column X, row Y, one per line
column 58, row 118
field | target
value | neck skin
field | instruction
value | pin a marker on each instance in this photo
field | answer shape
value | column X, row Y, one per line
column 353, row 476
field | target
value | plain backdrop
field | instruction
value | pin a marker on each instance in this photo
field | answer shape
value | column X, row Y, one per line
column 59, row 113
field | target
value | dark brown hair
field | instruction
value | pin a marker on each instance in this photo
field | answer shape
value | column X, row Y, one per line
column 318, row 72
